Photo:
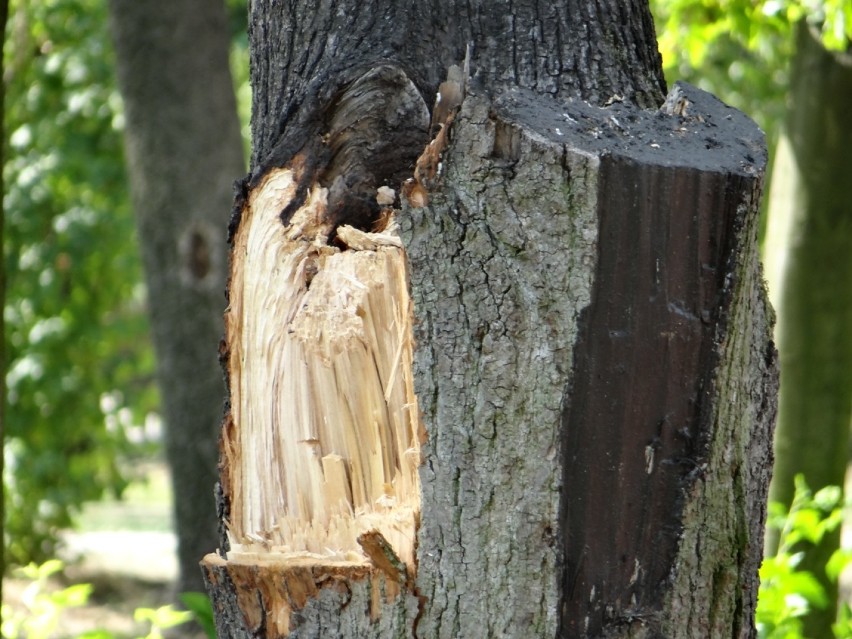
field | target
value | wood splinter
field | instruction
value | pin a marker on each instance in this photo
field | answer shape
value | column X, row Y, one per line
column 322, row 467
column 319, row 469
column 448, row 101
column 380, row 552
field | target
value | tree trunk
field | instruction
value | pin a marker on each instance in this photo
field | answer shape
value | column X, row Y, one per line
column 809, row 255
column 184, row 149
column 4, row 15
column 588, row 338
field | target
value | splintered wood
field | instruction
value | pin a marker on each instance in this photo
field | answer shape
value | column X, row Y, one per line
column 324, row 442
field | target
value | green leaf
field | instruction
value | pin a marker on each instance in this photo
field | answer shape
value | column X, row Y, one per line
column 805, row 526
column 838, row 561
column 842, row 628
column 828, row 498
column 199, row 604
column 72, row 596
column 162, row 617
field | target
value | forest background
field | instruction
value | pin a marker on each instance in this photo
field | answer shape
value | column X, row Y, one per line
column 83, row 407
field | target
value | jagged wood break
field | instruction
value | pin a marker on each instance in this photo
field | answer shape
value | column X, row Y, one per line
column 321, row 442
column 329, row 449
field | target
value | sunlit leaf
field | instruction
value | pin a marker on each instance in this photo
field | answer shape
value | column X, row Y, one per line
column 838, row 561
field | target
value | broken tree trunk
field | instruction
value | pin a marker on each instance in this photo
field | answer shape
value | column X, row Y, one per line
column 532, row 396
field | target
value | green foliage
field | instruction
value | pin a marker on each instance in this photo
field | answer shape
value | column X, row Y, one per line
column 80, row 376
column 44, row 609
column 786, row 592
column 239, row 63
column 202, row 610
column 80, row 363
column 160, row 619
column 740, row 50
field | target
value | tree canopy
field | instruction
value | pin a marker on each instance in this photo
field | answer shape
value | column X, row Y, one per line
column 82, row 396
column 740, row 50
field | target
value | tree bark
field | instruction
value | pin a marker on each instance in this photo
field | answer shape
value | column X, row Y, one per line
column 184, row 149
column 591, row 340
column 810, row 269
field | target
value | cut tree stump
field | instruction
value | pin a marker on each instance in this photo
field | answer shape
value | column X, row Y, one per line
column 540, row 403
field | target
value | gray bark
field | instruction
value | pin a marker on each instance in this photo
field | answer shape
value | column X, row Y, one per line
column 596, row 375
column 593, row 358
column 184, row 150
column 303, row 53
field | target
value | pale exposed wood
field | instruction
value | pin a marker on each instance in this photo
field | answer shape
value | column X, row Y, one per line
column 329, row 449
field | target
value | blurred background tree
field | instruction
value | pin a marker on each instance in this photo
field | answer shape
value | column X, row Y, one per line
column 184, row 151
column 809, row 266
column 83, row 404
column 80, row 366
column 4, row 16
column 786, row 63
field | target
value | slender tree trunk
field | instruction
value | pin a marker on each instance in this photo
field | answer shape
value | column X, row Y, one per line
column 184, row 150
column 809, row 249
column 4, row 15
column 568, row 434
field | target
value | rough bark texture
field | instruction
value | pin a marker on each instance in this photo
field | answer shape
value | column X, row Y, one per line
column 596, row 374
column 593, row 360
column 184, row 151
column 304, row 52
column 809, row 254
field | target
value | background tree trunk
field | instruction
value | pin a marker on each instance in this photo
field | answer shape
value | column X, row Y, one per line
column 592, row 355
column 4, row 15
column 809, row 258
column 184, row 150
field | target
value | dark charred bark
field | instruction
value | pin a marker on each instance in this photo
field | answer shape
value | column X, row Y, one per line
column 307, row 57
column 304, row 53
